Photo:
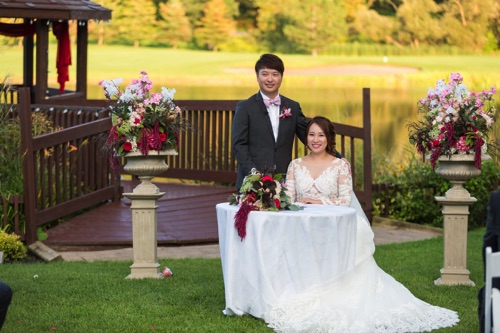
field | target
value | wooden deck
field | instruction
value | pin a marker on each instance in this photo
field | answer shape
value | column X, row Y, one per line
column 186, row 215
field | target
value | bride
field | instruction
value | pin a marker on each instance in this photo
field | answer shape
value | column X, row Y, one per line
column 365, row 299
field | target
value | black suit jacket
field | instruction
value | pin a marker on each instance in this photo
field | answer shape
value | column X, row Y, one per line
column 253, row 140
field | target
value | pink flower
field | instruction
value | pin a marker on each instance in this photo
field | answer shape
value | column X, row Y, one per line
column 461, row 146
column 285, row 113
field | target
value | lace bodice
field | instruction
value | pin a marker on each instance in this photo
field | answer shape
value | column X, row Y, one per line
column 333, row 186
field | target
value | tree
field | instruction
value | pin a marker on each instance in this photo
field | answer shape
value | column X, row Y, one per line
column 419, row 22
column 271, row 20
column 466, row 22
column 134, row 21
column 315, row 23
column 173, row 25
column 104, row 32
column 216, row 25
column 371, row 25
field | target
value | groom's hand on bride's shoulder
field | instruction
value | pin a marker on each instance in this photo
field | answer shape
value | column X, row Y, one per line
column 339, row 155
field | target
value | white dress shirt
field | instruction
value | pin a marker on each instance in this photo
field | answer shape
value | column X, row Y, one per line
column 274, row 115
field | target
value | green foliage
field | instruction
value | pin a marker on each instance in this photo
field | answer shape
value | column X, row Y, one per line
column 12, row 246
column 174, row 26
column 415, row 185
column 315, row 23
column 216, row 25
column 481, row 188
column 297, row 26
column 241, row 43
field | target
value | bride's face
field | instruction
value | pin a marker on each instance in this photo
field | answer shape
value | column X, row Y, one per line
column 316, row 139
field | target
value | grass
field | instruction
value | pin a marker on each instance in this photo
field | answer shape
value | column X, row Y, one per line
column 96, row 297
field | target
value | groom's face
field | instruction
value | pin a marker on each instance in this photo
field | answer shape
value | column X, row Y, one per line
column 269, row 81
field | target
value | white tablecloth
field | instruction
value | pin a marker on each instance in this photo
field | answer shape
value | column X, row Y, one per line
column 283, row 254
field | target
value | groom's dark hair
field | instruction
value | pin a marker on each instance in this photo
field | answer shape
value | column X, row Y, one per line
column 327, row 127
column 269, row 61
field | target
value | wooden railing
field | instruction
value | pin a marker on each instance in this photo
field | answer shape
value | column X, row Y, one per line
column 64, row 172
column 60, row 181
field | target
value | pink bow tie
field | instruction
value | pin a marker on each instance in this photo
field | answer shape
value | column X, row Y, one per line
column 274, row 101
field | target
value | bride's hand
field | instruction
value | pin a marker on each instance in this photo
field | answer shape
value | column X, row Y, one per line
column 310, row 201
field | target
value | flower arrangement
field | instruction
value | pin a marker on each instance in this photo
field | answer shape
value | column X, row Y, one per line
column 259, row 191
column 142, row 121
column 455, row 121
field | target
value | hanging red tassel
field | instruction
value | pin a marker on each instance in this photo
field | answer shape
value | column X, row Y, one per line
column 477, row 152
column 240, row 219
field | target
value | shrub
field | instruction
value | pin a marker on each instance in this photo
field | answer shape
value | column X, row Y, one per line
column 12, row 246
column 415, row 185
column 11, row 157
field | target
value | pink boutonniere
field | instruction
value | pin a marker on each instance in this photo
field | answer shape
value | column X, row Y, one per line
column 285, row 113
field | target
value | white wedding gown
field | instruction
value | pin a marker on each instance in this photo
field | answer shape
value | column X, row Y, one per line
column 365, row 299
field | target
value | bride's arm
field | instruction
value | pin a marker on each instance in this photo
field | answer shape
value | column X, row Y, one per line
column 344, row 184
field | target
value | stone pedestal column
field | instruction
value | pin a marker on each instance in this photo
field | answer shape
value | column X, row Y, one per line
column 455, row 226
column 144, row 216
column 144, row 231
column 457, row 169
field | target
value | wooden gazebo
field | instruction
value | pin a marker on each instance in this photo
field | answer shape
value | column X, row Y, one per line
column 37, row 18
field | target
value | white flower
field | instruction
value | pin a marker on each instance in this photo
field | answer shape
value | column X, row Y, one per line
column 111, row 87
column 127, row 96
column 168, row 94
column 460, row 92
column 488, row 119
column 451, row 110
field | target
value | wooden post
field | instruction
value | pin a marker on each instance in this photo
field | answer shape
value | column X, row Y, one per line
column 28, row 165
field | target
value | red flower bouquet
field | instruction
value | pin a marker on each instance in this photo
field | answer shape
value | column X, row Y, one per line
column 260, row 191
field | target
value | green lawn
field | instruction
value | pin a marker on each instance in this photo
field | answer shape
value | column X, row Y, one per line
column 95, row 297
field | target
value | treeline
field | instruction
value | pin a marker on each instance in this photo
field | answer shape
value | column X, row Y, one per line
column 302, row 26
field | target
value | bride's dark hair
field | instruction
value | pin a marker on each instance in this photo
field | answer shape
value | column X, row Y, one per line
column 327, row 127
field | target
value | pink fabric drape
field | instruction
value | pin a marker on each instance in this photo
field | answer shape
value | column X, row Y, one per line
column 61, row 31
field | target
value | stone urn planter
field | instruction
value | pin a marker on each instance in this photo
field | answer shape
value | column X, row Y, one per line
column 144, row 216
column 146, row 167
column 457, row 169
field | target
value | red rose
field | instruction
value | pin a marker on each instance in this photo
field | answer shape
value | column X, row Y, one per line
column 127, row 146
column 267, row 178
column 277, row 202
column 163, row 137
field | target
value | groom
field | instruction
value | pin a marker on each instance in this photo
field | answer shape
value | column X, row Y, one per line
column 265, row 125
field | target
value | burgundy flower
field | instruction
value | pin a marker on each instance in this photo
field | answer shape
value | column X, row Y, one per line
column 127, row 146
column 277, row 202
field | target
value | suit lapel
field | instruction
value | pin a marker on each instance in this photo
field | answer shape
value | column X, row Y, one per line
column 283, row 124
column 262, row 108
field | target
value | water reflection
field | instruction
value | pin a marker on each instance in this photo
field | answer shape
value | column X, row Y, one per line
column 391, row 109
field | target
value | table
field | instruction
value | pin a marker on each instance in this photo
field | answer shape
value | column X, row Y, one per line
column 283, row 254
